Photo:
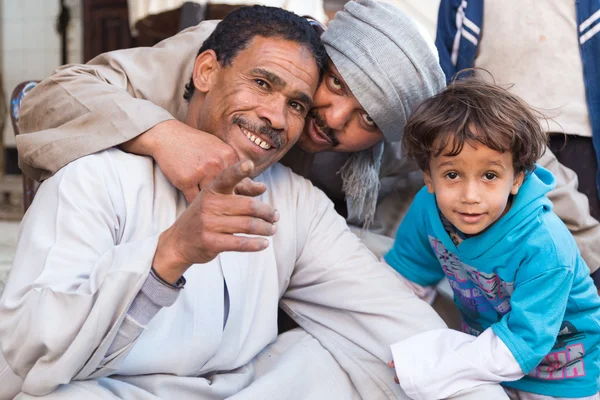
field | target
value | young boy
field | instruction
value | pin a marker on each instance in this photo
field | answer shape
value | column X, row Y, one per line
column 530, row 311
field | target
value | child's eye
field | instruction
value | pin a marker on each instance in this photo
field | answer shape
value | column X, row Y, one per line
column 452, row 175
column 490, row 176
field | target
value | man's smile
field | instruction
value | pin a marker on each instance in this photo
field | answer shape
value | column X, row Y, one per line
column 257, row 139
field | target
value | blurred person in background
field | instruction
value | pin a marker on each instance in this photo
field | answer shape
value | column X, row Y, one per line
column 549, row 54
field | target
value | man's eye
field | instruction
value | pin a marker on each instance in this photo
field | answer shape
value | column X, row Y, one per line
column 368, row 120
column 297, row 106
column 452, row 175
column 335, row 82
column 490, row 176
column 261, row 83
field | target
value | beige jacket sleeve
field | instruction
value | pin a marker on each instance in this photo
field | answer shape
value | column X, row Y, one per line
column 574, row 210
column 82, row 109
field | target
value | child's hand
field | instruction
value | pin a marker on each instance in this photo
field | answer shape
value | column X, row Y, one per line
column 391, row 365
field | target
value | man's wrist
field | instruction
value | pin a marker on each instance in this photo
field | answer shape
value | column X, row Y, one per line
column 145, row 143
column 152, row 139
column 177, row 285
column 166, row 264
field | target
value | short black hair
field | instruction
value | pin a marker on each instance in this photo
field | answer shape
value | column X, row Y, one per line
column 241, row 26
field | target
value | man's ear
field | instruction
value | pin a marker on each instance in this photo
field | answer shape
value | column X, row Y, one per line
column 428, row 182
column 206, row 68
column 519, row 178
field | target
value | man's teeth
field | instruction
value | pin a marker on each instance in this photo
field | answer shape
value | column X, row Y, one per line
column 261, row 143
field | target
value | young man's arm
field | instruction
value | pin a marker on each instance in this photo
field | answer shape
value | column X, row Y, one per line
column 573, row 209
column 131, row 97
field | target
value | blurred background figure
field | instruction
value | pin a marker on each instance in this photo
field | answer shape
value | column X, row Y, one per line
column 549, row 52
column 197, row 9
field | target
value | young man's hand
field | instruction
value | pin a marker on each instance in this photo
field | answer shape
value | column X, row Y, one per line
column 189, row 158
column 226, row 207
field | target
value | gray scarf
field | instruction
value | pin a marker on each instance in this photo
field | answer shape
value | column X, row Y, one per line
column 390, row 67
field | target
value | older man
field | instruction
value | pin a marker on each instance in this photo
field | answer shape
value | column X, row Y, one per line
column 95, row 306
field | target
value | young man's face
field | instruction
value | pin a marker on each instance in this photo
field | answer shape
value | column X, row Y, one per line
column 337, row 121
column 259, row 103
column 472, row 189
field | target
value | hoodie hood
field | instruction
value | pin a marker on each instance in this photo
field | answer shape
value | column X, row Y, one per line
column 517, row 223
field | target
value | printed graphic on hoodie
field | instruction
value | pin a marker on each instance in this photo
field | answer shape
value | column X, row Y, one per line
column 477, row 291
column 480, row 295
column 567, row 362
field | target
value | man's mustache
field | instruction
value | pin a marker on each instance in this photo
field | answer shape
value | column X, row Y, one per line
column 322, row 125
column 263, row 129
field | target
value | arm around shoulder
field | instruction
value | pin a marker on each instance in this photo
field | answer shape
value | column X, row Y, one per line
column 82, row 109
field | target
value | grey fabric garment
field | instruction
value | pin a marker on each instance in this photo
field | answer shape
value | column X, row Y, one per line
column 390, row 68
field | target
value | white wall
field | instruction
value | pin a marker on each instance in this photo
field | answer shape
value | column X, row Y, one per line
column 31, row 46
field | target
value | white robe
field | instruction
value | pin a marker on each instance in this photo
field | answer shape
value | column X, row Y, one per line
column 86, row 247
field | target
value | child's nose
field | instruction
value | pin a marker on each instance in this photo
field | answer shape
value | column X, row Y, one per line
column 471, row 193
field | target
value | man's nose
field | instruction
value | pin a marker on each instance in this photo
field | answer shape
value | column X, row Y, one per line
column 274, row 113
column 470, row 192
column 337, row 116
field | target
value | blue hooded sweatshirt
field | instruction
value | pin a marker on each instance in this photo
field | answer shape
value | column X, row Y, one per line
column 524, row 277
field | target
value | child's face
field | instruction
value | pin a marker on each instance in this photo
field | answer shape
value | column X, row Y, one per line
column 472, row 188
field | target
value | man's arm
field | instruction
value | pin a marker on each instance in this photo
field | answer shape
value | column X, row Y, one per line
column 82, row 109
column 72, row 280
column 354, row 305
column 573, row 209
column 79, row 294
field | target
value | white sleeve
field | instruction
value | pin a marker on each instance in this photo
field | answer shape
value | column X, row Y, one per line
column 339, row 293
column 73, row 278
column 425, row 293
column 439, row 363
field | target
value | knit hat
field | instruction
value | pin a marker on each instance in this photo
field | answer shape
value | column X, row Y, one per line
column 390, row 67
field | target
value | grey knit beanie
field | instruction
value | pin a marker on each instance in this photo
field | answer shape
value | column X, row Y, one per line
column 390, row 67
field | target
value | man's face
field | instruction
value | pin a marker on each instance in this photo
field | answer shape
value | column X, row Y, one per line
column 259, row 103
column 337, row 121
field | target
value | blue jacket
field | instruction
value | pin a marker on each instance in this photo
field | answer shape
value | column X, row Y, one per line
column 523, row 277
column 457, row 40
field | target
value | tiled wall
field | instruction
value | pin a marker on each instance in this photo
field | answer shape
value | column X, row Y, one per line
column 31, row 45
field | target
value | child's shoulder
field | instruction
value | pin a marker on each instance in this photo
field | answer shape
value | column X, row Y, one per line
column 552, row 241
column 423, row 199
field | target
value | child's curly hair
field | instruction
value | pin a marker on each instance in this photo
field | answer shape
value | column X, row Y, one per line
column 470, row 110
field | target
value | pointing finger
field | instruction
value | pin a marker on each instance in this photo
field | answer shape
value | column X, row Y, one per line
column 190, row 193
column 228, row 179
column 247, row 187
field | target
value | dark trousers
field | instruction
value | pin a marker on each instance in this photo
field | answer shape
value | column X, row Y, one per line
column 577, row 153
